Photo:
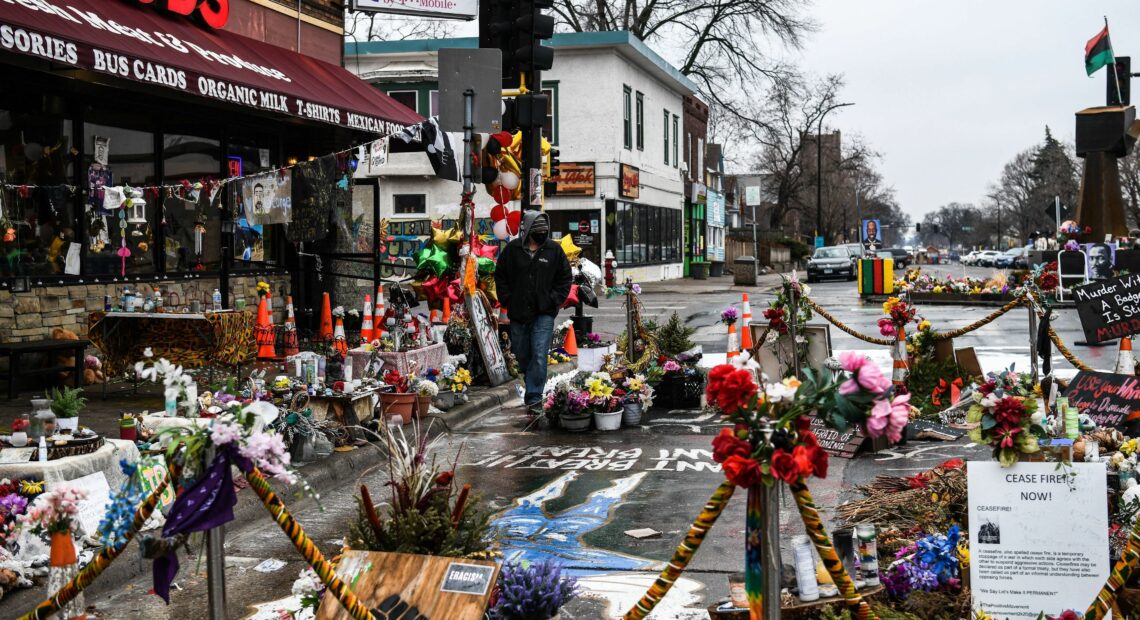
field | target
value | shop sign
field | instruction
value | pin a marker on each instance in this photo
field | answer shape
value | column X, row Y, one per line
column 1025, row 560
column 700, row 193
column 575, row 179
column 437, row 9
column 630, row 182
column 213, row 13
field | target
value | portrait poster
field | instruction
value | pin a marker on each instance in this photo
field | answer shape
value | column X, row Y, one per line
column 268, row 199
column 871, row 234
column 1100, row 260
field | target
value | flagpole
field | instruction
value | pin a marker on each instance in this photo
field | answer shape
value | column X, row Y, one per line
column 1115, row 75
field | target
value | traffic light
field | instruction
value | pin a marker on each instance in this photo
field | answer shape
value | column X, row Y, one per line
column 1120, row 75
column 550, row 185
column 497, row 30
column 531, row 109
column 532, row 27
column 918, row 227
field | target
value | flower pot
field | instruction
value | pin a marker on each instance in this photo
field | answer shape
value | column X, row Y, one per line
column 423, row 406
column 631, row 414
column 576, row 423
column 607, row 420
column 129, row 433
column 446, row 399
column 62, row 549
column 67, row 424
column 403, row 405
column 590, row 358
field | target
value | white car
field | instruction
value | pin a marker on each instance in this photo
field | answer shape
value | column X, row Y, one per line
column 971, row 258
column 987, row 258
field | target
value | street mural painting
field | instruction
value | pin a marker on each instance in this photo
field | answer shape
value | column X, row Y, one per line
column 596, row 458
column 528, row 533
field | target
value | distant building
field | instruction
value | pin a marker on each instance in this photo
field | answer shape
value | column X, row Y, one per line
column 616, row 117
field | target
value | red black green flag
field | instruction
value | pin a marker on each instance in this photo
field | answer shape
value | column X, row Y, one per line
column 1098, row 52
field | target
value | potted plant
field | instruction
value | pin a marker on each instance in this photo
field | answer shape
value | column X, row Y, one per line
column 605, row 405
column 534, row 591
column 66, row 404
column 566, row 404
column 55, row 513
column 592, row 353
column 453, row 383
column 638, row 396
column 680, row 380
column 425, row 390
column 400, row 400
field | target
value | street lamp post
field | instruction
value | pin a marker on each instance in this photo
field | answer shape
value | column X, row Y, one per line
column 819, row 167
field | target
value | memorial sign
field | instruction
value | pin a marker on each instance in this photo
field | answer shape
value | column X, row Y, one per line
column 1109, row 399
column 1109, row 309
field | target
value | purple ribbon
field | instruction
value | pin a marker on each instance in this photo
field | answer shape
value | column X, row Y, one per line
column 206, row 505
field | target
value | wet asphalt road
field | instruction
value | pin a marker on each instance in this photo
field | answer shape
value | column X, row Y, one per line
column 572, row 496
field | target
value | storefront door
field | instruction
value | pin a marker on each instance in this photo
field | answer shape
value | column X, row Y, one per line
column 584, row 226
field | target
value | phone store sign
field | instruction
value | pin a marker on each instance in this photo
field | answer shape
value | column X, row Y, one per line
column 213, row 13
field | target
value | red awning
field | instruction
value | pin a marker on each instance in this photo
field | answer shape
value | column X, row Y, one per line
column 141, row 43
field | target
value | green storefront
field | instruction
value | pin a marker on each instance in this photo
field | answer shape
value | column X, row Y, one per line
column 695, row 220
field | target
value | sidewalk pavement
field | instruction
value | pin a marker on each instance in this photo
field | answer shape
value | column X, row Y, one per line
column 691, row 286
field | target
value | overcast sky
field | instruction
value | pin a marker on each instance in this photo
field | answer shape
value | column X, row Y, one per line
column 948, row 92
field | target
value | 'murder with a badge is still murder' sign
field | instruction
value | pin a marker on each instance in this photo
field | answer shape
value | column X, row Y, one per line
column 1109, row 309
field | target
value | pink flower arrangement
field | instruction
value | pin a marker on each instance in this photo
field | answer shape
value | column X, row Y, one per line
column 269, row 454
column 55, row 511
column 866, row 375
column 671, row 366
column 889, row 417
column 886, row 327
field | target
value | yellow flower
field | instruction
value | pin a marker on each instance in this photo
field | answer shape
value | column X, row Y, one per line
column 889, row 304
column 599, row 390
column 792, row 382
column 924, row 325
column 462, row 376
column 938, row 289
column 909, row 348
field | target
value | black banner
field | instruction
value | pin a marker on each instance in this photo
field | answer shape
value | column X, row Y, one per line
column 1109, row 399
column 1109, row 309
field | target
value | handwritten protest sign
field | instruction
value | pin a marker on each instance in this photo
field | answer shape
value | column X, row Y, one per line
column 1109, row 309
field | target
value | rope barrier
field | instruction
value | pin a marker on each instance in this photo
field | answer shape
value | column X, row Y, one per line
column 99, row 563
column 322, row 567
column 814, row 526
column 980, row 323
column 836, row 322
column 683, row 553
column 1068, row 355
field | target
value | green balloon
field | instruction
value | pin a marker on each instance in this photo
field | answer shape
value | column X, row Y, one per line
column 291, row 418
column 486, row 266
column 432, row 259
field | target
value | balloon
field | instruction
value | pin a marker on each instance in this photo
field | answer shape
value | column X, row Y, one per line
column 572, row 251
column 455, row 290
column 498, row 212
column 502, row 194
column 486, row 266
column 509, row 179
column 514, row 218
column 418, row 289
column 434, row 288
column 444, row 238
column 484, row 250
column 433, row 259
column 500, row 229
column 591, row 270
column 487, row 285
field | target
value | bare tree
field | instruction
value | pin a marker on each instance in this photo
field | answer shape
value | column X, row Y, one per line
column 362, row 26
column 1130, row 183
column 954, row 224
column 1014, row 195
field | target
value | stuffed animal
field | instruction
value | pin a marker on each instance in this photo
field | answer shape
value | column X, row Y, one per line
column 93, row 370
column 64, row 358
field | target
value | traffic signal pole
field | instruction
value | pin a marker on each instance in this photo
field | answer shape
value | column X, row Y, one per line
column 532, row 153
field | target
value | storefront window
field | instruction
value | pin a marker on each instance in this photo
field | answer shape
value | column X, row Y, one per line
column 258, row 240
column 37, row 224
column 120, row 212
column 191, row 218
column 640, row 234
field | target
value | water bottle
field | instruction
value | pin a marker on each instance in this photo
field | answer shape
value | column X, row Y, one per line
column 868, row 553
column 129, row 305
column 217, row 300
column 43, row 452
column 805, row 569
column 106, row 303
column 157, row 300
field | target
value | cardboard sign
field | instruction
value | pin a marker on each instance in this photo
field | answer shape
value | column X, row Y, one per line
column 1109, row 309
column 92, row 508
column 1023, row 557
column 417, row 587
column 844, row 445
column 1107, row 398
column 487, row 338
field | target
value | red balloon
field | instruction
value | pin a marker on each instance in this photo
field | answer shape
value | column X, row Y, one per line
column 501, row 194
column 513, row 220
column 498, row 212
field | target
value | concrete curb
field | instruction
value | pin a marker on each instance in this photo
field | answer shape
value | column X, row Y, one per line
column 489, row 400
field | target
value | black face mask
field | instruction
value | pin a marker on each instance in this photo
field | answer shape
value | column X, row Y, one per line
column 538, row 238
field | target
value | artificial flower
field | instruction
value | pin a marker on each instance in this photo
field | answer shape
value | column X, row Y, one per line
column 784, row 466
column 727, row 444
column 742, row 471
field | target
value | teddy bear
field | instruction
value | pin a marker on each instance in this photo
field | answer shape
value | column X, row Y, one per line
column 64, row 359
column 93, row 370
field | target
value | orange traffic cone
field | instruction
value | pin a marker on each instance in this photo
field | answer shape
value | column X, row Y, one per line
column 325, row 332
column 340, row 343
column 266, row 335
column 378, row 317
column 1125, row 361
column 898, row 368
column 433, row 317
column 746, row 326
column 571, row 342
column 366, row 321
column 446, row 310
column 503, row 318
column 733, row 341
column 289, row 341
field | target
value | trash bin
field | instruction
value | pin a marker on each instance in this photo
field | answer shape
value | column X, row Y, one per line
column 700, row 271
column 744, row 270
column 716, row 268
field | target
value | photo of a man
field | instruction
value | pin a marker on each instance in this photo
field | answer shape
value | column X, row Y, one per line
column 871, row 239
column 258, row 198
column 1101, row 259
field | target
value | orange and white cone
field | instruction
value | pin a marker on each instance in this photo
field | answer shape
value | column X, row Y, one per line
column 265, row 334
column 746, row 343
column 733, row 341
column 446, row 310
column 899, row 357
column 503, row 318
column 366, row 322
column 1125, row 361
column 340, row 343
column 289, row 338
column 378, row 317
column 325, row 333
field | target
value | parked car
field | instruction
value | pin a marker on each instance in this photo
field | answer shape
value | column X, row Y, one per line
column 971, row 258
column 831, row 262
column 987, row 257
column 901, row 256
column 955, row 256
column 854, row 249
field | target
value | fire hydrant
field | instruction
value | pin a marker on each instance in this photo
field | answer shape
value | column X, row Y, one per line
column 611, row 269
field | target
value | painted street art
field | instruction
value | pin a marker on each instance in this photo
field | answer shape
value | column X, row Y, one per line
column 595, row 458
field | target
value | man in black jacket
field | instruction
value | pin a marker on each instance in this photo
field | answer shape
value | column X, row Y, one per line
column 532, row 278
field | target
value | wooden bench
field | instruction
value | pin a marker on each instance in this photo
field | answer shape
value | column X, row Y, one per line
column 14, row 351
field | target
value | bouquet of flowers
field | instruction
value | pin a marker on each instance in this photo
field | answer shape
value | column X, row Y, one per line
column 401, row 383
column 778, row 312
column 929, row 564
column 1009, row 382
column 899, row 313
column 54, row 512
column 594, row 341
column 729, row 315
column 638, row 390
column 14, row 498
column 454, row 379
column 771, row 439
column 262, row 289
column 581, row 392
column 1010, row 424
